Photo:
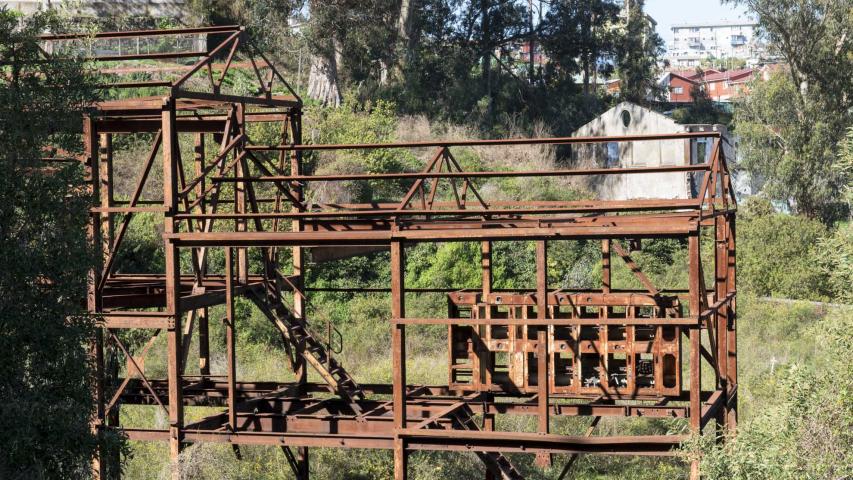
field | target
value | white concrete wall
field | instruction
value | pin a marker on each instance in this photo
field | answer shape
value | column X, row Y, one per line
column 634, row 154
column 151, row 8
column 26, row 7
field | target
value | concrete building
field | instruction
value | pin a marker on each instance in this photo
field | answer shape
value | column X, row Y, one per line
column 26, row 7
column 115, row 8
column 694, row 42
column 630, row 119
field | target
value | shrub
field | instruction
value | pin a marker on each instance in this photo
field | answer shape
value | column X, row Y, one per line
column 806, row 430
column 776, row 253
column 835, row 258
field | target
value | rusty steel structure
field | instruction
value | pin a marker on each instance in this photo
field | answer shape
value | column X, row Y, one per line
column 545, row 352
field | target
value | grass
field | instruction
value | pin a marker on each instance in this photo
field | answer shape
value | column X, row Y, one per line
column 771, row 335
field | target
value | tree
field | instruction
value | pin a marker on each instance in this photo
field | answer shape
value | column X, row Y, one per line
column 353, row 44
column 579, row 34
column 779, row 254
column 791, row 127
column 637, row 52
column 45, row 401
column 845, row 168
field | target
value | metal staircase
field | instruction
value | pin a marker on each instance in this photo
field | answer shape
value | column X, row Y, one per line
column 316, row 352
column 496, row 462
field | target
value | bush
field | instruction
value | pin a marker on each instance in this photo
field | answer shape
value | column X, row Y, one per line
column 777, row 253
column 806, row 430
column 835, row 258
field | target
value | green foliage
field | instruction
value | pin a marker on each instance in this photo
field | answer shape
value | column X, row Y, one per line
column 434, row 265
column 457, row 60
column 835, row 258
column 637, row 54
column 805, row 428
column 45, row 401
column 701, row 110
column 777, row 253
column 791, row 126
column 724, row 63
column 265, row 20
column 772, row 333
column 574, row 40
column 354, row 123
column 845, row 168
column 792, row 147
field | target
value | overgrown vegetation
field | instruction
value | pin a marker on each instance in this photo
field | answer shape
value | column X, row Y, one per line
column 45, row 401
column 798, row 388
column 439, row 78
column 791, row 127
column 782, row 344
column 458, row 61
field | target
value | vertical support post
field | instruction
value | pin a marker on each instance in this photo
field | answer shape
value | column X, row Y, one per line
column 398, row 356
column 488, row 426
column 107, row 220
column 230, row 346
column 173, row 281
column 695, row 343
column 298, row 261
column 605, row 266
column 240, row 204
column 721, row 319
column 484, row 358
column 105, row 170
column 542, row 459
column 486, row 264
column 203, row 325
column 93, row 296
column 731, row 341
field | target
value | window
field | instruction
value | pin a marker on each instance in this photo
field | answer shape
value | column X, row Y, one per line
column 612, row 154
column 678, row 90
column 713, row 87
column 626, row 118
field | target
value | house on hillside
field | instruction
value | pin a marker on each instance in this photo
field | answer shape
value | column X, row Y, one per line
column 679, row 85
column 723, row 86
column 630, row 119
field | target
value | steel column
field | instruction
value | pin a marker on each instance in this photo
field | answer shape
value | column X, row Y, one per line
column 398, row 357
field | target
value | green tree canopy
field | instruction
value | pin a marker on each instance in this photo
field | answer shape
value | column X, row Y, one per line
column 791, row 126
column 45, row 399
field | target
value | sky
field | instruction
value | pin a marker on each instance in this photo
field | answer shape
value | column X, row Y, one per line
column 670, row 12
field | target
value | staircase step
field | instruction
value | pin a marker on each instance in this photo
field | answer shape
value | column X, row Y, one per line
column 297, row 331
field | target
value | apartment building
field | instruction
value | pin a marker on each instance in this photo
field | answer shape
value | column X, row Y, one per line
column 692, row 43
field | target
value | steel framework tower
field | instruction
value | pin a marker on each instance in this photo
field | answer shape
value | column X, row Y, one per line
column 546, row 352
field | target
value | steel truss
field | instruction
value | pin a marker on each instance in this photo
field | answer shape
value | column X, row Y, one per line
column 244, row 196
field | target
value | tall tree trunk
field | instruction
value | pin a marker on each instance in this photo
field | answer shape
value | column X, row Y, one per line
column 486, row 66
column 531, row 53
column 406, row 38
column 323, row 82
column 405, row 22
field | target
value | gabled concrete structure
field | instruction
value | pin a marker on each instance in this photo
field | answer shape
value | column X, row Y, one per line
column 628, row 118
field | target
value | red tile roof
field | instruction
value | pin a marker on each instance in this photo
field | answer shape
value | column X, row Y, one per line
column 728, row 75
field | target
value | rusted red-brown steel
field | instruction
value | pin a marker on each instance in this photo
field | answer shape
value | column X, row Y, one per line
column 236, row 195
